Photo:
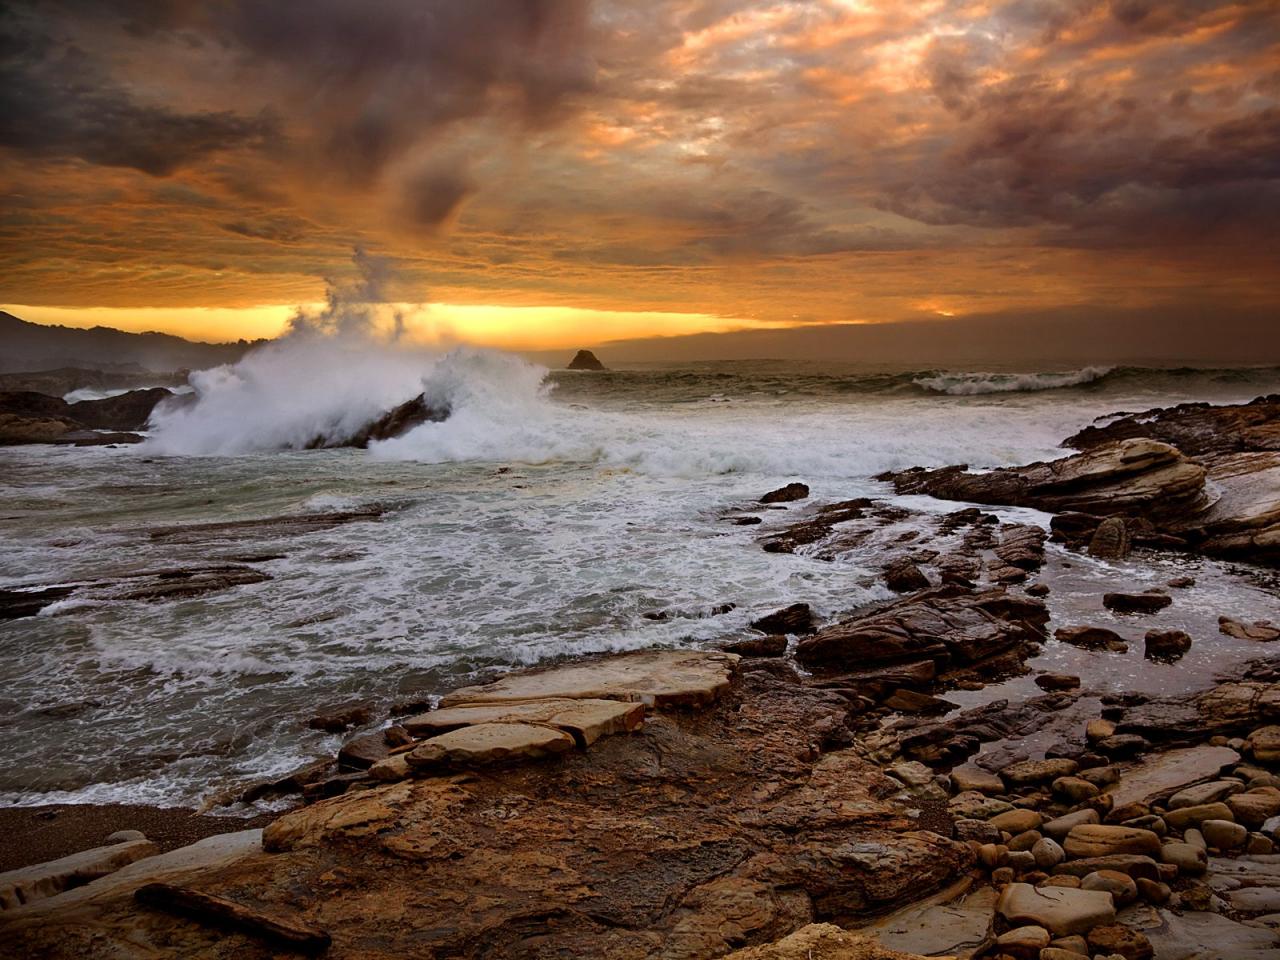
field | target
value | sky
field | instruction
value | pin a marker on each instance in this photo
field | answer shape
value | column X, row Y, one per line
column 540, row 174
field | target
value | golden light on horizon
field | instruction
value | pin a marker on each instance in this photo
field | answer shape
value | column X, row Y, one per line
column 527, row 328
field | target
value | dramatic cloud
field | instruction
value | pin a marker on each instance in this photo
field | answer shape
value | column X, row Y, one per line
column 789, row 161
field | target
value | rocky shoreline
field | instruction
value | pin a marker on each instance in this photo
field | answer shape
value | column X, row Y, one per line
column 811, row 789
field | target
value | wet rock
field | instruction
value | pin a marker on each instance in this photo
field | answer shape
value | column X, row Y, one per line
column 1181, row 583
column 1130, row 477
column 1136, row 603
column 1124, row 745
column 1061, row 910
column 949, row 625
column 1110, row 541
column 1017, row 821
column 1091, row 638
column 258, row 527
column 1057, row 681
column 364, row 751
column 1030, row 772
column 796, row 619
column 1224, row 834
column 394, row 423
column 1261, row 630
column 772, row 645
column 788, row 494
column 1197, row 429
column 1166, row 646
column 1172, row 771
column 903, row 576
column 338, row 719
column 818, row 527
column 585, row 360
column 941, row 925
column 1023, row 941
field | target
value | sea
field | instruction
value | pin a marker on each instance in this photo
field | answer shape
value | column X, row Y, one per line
column 554, row 514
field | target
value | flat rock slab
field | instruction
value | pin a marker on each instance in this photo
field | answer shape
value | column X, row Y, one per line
column 490, row 743
column 199, row 857
column 1170, row 772
column 41, row 880
column 585, row 720
column 656, row 678
column 1063, row 911
column 959, row 928
column 1207, row 936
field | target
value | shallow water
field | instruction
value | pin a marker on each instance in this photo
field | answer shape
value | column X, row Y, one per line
column 540, row 520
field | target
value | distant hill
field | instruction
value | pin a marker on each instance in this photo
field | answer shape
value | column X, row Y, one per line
column 28, row 346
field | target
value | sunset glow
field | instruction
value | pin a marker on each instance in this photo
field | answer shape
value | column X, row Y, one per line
column 597, row 170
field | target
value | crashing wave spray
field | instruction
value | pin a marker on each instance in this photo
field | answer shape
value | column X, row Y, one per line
column 331, row 374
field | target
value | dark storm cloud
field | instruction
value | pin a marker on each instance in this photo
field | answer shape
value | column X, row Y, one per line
column 362, row 83
column 57, row 102
column 433, row 196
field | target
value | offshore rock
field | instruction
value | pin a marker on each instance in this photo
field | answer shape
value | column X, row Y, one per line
column 585, row 360
column 795, row 619
column 1110, row 541
column 788, row 494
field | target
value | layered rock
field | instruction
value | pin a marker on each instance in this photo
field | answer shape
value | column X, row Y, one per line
column 1197, row 429
column 950, row 626
column 1138, row 477
column 698, row 834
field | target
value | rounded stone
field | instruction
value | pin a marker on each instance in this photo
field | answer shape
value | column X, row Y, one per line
column 1022, row 939
column 1017, row 821
column 1224, row 834
column 1188, row 858
column 1074, row 789
column 1048, row 853
column 1120, row 885
column 124, row 836
column 1100, row 840
column 1153, row 891
column 1025, row 840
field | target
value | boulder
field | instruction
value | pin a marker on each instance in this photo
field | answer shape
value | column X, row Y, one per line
column 1185, row 817
column 1110, row 541
column 975, row 778
column 1136, row 603
column 1262, row 630
column 903, row 576
column 796, row 619
column 1091, row 638
column 788, row 494
column 1060, row 910
column 1166, row 646
column 1100, row 840
column 770, row 645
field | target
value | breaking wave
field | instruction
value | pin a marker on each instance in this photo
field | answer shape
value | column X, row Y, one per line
column 974, row 384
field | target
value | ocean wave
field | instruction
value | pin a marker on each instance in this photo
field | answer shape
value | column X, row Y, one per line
column 975, row 384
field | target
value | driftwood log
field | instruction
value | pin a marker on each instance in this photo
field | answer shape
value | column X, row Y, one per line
column 206, row 908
